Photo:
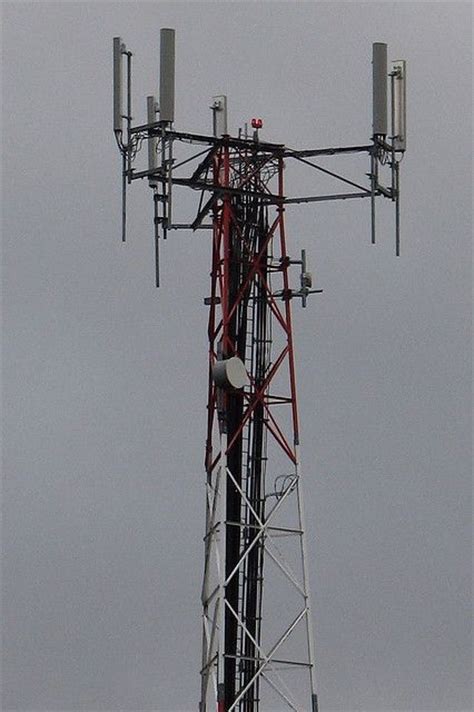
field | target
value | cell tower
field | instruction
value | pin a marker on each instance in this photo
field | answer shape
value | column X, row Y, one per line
column 257, row 639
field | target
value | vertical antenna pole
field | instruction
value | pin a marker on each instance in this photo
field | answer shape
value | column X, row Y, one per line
column 373, row 167
column 129, row 115
column 392, row 105
column 169, row 192
column 152, row 141
column 156, row 221
column 397, row 208
column 164, row 183
column 124, row 197
column 152, row 181
column 303, row 272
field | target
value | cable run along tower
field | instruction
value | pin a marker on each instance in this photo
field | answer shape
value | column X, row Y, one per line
column 257, row 638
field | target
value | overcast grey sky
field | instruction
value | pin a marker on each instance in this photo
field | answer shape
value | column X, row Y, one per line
column 104, row 377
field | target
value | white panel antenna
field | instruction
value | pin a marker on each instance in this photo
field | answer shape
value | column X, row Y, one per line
column 399, row 118
column 219, row 115
column 379, row 89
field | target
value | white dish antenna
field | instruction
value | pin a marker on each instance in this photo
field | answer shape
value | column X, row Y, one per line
column 230, row 373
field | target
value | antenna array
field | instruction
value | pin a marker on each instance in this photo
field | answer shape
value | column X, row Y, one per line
column 254, row 503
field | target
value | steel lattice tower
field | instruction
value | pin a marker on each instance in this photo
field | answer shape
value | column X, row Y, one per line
column 249, row 267
column 257, row 639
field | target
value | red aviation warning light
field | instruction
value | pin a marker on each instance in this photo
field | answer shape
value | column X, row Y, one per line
column 257, row 123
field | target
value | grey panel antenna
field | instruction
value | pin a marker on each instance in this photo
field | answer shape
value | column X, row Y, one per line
column 399, row 118
column 379, row 88
column 152, row 140
column 118, row 84
column 167, row 65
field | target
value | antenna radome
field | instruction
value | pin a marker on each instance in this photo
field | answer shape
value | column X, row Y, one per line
column 399, row 118
column 167, row 71
column 118, row 111
column 379, row 89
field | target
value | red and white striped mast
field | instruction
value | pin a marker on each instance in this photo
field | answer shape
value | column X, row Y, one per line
column 252, row 409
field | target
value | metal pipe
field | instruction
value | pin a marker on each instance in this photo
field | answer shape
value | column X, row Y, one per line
column 397, row 209
column 124, row 197
column 169, row 214
column 157, row 236
column 129, row 115
column 373, row 160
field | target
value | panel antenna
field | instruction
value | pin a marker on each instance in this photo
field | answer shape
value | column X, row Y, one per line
column 167, row 69
column 379, row 85
column 399, row 119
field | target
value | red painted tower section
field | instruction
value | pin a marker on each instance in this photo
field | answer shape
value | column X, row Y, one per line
column 249, row 319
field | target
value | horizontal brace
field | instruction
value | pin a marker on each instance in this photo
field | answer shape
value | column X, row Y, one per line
column 158, row 176
column 221, row 190
column 285, row 530
column 336, row 196
column 307, row 153
column 244, row 525
column 185, row 226
column 258, row 146
column 273, row 661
